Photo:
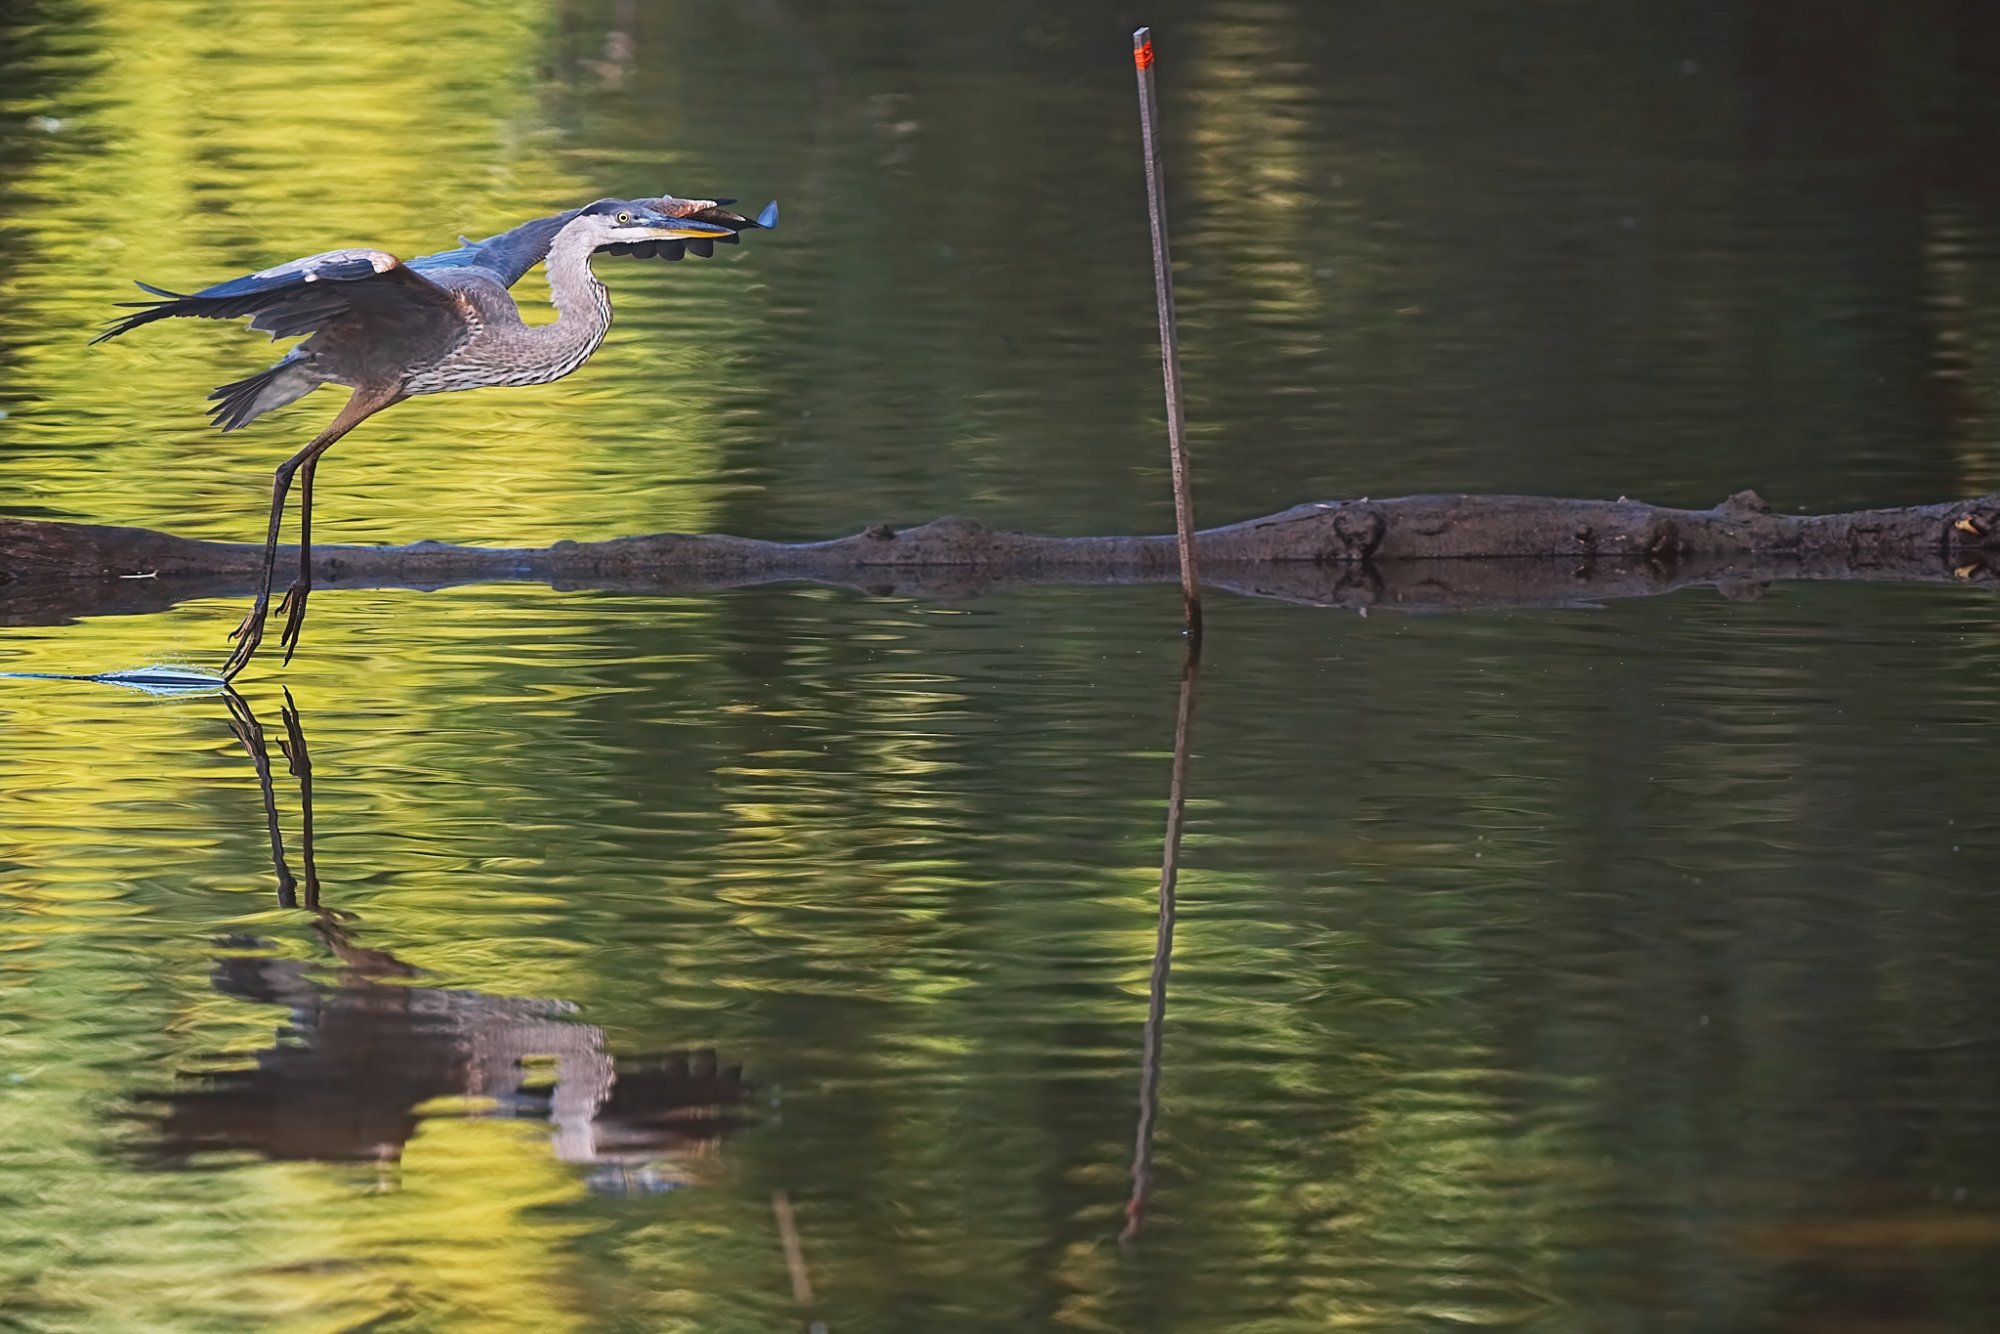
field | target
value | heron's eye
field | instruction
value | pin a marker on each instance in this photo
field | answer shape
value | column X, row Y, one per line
column 625, row 218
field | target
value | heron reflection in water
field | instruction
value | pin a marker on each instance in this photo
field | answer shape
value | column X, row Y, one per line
column 365, row 1046
column 440, row 323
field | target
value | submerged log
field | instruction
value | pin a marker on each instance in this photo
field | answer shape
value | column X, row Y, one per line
column 1421, row 552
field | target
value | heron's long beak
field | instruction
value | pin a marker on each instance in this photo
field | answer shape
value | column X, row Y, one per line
column 660, row 227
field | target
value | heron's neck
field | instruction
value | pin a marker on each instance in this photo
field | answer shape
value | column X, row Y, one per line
column 577, row 293
column 583, row 307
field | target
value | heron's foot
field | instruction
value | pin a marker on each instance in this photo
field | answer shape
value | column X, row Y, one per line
column 248, row 635
column 294, row 608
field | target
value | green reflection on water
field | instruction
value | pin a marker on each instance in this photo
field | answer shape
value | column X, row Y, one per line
column 1572, row 971
column 1472, row 1019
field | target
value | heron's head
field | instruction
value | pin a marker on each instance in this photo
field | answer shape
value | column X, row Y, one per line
column 612, row 220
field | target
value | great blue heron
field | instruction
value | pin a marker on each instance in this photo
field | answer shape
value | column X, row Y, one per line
column 390, row 330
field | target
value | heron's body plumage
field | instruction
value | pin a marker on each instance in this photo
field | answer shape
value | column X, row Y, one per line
column 499, row 347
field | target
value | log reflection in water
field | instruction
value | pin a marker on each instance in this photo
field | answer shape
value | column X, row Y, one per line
column 1163, row 953
column 364, row 1048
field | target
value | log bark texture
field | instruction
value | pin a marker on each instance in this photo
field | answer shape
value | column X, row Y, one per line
column 1431, row 552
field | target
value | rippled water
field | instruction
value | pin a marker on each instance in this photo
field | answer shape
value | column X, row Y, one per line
column 1625, row 968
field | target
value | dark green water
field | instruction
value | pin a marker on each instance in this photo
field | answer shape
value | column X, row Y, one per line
column 1625, row 968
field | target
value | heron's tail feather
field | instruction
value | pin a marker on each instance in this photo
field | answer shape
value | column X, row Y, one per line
column 239, row 403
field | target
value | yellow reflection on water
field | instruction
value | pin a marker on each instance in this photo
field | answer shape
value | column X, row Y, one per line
column 461, row 1235
column 244, row 134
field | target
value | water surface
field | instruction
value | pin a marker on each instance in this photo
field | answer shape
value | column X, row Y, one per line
column 1620, row 968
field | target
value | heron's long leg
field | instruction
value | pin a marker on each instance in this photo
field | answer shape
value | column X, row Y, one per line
column 293, row 605
column 250, row 633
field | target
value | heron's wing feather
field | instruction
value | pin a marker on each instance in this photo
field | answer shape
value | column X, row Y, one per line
column 304, row 295
column 506, row 256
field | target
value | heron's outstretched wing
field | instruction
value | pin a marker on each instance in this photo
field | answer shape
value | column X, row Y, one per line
column 512, row 253
column 308, row 294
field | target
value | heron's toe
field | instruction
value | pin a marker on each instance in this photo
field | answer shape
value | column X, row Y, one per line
column 246, row 649
column 294, row 607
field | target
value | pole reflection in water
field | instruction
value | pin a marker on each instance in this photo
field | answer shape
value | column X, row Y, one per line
column 1163, row 953
column 365, row 1047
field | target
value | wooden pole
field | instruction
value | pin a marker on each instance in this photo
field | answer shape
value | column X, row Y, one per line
column 1170, row 339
